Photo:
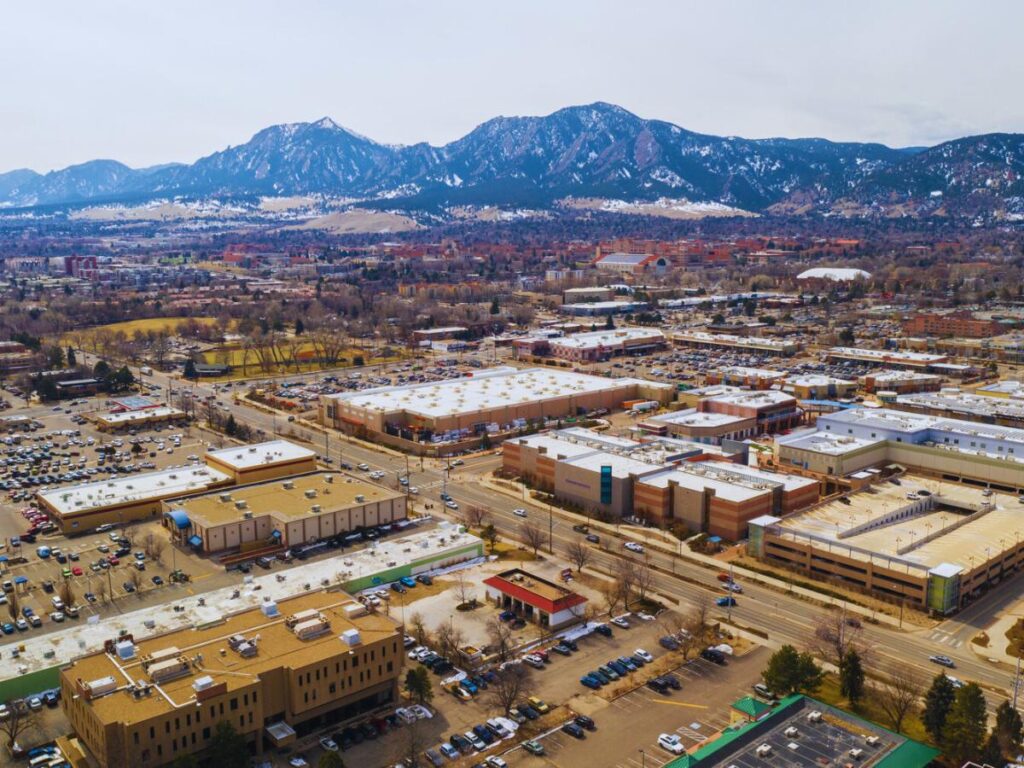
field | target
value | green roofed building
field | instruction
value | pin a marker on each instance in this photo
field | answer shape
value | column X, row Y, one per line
column 801, row 732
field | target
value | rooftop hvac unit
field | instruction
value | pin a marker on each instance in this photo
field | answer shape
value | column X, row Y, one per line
column 247, row 649
column 872, row 741
column 202, row 683
column 225, row 497
column 100, row 687
column 161, row 655
column 764, row 750
column 360, row 498
column 856, row 753
column 328, row 478
column 315, row 509
column 240, row 504
column 307, row 630
column 247, row 514
column 814, row 717
column 301, row 616
column 791, row 732
column 289, row 485
column 168, row 670
column 310, row 493
column 351, row 637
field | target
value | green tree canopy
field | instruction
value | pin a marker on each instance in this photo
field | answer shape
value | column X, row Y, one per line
column 1008, row 729
column 937, row 703
column 851, row 677
column 227, row 747
column 964, row 734
column 789, row 671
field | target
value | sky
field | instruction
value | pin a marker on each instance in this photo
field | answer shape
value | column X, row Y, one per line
column 153, row 82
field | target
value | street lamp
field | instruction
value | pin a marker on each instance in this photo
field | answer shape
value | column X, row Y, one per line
column 643, row 758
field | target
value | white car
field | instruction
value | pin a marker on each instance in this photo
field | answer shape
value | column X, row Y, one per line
column 328, row 744
column 732, row 586
column 451, row 504
column 413, row 490
column 415, row 652
column 421, row 712
column 643, row 655
column 632, row 546
column 297, row 762
column 671, row 742
column 496, row 762
column 363, row 467
column 476, row 741
column 519, row 512
column 620, row 621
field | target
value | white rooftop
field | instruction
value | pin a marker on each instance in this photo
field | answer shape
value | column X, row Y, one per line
column 127, row 417
column 955, row 402
column 757, row 398
column 816, row 380
column 690, row 417
column 733, row 339
column 826, row 442
column 886, row 354
column 751, row 373
column 486, row 390
column 243, row 457
column 175, row 481
column 609, row 338
column 840, row 274
column 883, row 376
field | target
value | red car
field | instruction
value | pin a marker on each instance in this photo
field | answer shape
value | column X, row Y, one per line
column 112, row 559
column 76, row 571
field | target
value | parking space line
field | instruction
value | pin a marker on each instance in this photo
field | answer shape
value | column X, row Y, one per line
column 679, row 704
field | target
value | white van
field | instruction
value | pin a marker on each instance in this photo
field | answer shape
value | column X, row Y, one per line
column 57, row 603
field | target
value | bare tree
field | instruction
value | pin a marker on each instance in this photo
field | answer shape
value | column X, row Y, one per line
column 413, row 741
column 135, row 577
column 462, row 589
column 418, row 629
column 449, row 639
column 698, row 616
column 475, row 516
column 578, row 554
column 500, row 634
column 511, row 684
column 836, row 633
column 612, row 597
column 625, row 581
column 21, row 720
column 12, row 604
column 67, row 592
column 129, row 532
column 532, row 535
column 101, row 590
column 899, row 697
column 643, row 579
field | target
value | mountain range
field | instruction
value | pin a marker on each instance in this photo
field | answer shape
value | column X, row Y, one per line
column 592, row 151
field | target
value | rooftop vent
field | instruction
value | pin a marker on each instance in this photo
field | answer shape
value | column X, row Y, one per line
column 225, row 497
column 289, row 485
column 315, row 509
column 240, row 504
column 310, row 493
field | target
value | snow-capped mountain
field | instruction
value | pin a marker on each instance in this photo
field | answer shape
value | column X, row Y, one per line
column 598, row 150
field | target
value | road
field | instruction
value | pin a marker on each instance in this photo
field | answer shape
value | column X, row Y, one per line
column 784, row 617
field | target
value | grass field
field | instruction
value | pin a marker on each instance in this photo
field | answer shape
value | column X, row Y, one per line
column 129, row 327
column 869, row 709
column 235, row 357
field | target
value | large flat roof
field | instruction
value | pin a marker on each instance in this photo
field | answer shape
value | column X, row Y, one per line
column 165, row 483
column 277, row 646
column 608, row 338
column 141, row 416
column 691, row 417
column 905, row 421
column 955, row 402
column 753, row 373
column 816, row 380
column 975, row 541
column 289, row 497
column 753, row 399
column 486, row 390
column 887, row 375
column 271, row 452
column 826, row 442
column 730, row 339
column 886, row 354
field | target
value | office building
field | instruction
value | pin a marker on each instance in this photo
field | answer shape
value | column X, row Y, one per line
column 282, row 513
column 274, row 673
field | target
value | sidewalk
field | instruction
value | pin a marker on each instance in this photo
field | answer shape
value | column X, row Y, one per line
column 644, row 535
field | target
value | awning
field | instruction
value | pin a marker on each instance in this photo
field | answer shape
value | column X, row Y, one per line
column 195, row 541
column 179, row 517
column 280, row 733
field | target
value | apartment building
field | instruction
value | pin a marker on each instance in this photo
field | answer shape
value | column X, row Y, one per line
column 274, row 673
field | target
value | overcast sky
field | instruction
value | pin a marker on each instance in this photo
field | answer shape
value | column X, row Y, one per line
column 152, row 82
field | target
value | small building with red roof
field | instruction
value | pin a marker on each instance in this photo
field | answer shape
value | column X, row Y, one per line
column 535, row 599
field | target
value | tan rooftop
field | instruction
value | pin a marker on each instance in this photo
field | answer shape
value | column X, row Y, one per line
column 277, row 646
column 289, row 497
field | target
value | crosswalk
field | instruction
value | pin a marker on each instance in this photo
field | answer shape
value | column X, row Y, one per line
column 938, row 636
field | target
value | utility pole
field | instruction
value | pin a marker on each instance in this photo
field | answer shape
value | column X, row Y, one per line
column 551, row 528
column 1016, row 683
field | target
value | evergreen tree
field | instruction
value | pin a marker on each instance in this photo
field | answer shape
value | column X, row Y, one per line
column 937, row 703
column 851, row 677
column 964, row 733
column 227, row 747
column 72, row 360
column 101, row 370
column 300, row 327
column 190, row 370
column 231, row 427
column 609, row 323
column 992, row 752
column 1008, row 729
column 789, row 671
column 495, row 306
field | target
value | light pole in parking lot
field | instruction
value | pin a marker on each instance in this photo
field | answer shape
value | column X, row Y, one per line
column 643, row 758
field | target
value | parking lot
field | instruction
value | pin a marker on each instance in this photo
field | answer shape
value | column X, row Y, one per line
column 633, row 722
